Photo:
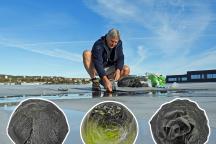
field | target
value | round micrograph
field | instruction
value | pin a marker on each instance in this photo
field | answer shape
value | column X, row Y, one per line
column 37, row 121
column 180, row 121
column 109, row 122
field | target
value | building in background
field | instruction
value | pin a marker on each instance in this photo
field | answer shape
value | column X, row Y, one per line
column 193, row 76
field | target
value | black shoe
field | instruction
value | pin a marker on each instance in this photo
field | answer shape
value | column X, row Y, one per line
column 95, row 84
column 96, row 93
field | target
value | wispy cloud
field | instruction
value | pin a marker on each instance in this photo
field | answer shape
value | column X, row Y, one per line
column 169, row 21
column 180, row 65
column 164, row 36
column 117, row 11
column 44, row 49
column 59, row 43
column 142, row 54
column 200, row 62
column 174, row 28
column 58, row 53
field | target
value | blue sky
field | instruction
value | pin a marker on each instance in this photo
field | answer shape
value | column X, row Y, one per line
column 47, row 37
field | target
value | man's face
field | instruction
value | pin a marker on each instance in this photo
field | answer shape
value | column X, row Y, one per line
column 112, row 42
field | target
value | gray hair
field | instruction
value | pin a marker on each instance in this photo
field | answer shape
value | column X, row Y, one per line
column 113, row 33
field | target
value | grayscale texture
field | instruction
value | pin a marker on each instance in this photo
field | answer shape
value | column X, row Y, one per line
column 180, row 122
column 37, row 121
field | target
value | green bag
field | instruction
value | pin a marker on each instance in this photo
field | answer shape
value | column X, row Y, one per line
column 157, row 80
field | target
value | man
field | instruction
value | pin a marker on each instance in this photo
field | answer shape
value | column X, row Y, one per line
column 106, row 59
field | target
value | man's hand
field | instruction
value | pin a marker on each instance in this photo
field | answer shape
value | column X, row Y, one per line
column 117, row 75
column 107, row 84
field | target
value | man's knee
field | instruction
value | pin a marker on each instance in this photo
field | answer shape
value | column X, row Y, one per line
column 126, row 69
column 87, row 54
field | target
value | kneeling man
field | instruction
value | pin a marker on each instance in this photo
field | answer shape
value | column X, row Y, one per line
column 106, row 59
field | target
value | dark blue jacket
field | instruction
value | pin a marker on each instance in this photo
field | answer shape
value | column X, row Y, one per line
column 100, row 53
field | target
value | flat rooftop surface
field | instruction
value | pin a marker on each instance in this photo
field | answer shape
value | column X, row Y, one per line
column 78, row 99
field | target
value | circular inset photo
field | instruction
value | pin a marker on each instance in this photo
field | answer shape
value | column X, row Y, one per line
column 37, row 121
column 109, row 122
column 180, row 121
